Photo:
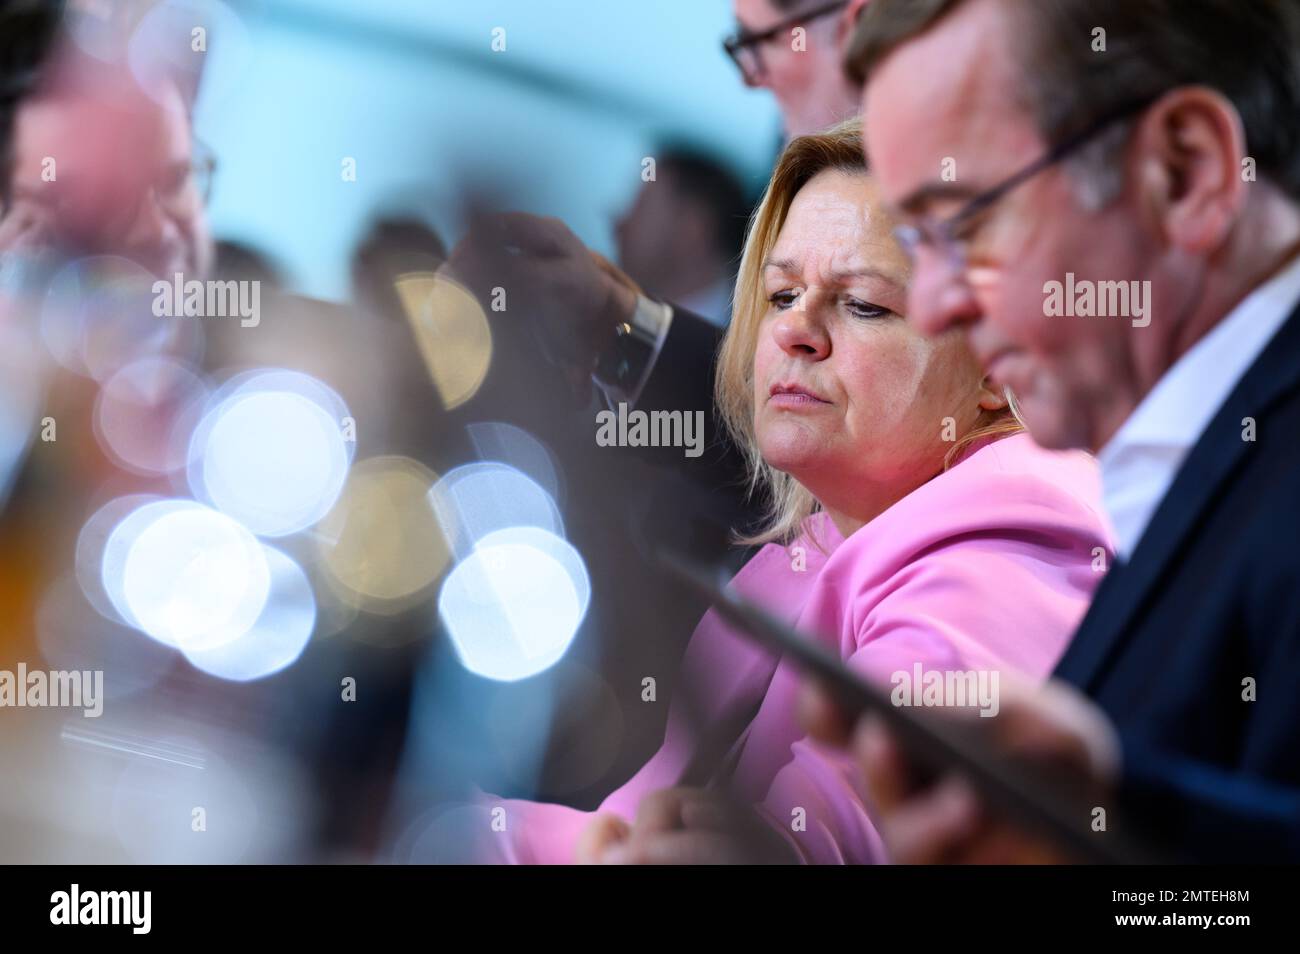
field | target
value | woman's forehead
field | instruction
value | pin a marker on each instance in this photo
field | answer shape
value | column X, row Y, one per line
column 836, row 217
column 840, row 199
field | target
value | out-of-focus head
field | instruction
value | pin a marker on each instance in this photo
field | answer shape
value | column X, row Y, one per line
column 28, row 30
column 100, row 166
column 391, row 248
column 796, row 49
column 836, row 398
column 1139, row 127
column 688, row 221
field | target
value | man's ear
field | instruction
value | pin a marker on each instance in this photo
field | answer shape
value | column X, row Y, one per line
column 848, row 23
column 1191, row 146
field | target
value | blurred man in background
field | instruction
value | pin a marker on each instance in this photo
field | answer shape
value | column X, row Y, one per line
column 681, row 236
column 98, row 165
column 795, row 48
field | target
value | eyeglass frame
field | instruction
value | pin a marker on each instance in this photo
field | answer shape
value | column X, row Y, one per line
column 202, row 168
column 745, row 40
column 942, row 233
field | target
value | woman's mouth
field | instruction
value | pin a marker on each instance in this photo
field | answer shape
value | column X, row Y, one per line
column 794, row 396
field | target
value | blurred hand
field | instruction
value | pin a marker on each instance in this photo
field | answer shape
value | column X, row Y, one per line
column 27, row 228
column 1052, row 726
column 684, row 826
column 572, row 299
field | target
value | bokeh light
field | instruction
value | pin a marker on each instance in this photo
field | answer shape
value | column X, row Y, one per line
column 144, row 414
column 511, row 609
column 166, row 45
column 476, row 499
column 557, row 548
column 271, row 452
column 98, row 317
column 381, row 544
column 103, row 545
column 279, row 635
column 515, row 447
column 452, row 333
column 191, row 577
column 160, row 798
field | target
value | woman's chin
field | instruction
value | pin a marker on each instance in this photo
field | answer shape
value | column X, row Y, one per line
column 796, row 456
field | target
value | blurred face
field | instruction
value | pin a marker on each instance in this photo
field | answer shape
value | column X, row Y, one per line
column 120, row 180
column 952, row 94
column 809, row 83
column 647, row 234
column 849, row 398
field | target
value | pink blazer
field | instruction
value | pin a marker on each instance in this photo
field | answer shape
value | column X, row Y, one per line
column 990, row 565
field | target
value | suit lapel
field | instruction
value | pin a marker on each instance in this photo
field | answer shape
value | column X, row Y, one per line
column 1199, row 481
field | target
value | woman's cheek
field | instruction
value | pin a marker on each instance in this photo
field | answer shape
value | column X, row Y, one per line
column 889, row 408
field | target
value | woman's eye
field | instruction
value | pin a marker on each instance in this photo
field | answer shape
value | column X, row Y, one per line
column 863, row 309
column 783, row 299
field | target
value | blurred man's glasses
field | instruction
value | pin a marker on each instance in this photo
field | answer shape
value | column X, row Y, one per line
column 203, row 167
column 952, row 235
column 187, row 185
column 179, row 192
column 744, row 46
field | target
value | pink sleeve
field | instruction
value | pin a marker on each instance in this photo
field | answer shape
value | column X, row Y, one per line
column 719, row 670
column 526, row 833
column 724, row 674
column 547, row 834
column 978, row 602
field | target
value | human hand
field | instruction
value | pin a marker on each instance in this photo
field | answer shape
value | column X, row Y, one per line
column 684, row 826
column 572, row 299
column 1052, row 726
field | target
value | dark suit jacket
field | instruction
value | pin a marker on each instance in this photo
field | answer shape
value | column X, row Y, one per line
column 682, row 377
column 1209, row 599
column 712, row 493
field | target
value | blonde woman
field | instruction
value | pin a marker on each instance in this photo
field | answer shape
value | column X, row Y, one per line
column 911, row 524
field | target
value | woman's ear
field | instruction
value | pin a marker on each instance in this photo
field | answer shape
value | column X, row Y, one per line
column 991, row 400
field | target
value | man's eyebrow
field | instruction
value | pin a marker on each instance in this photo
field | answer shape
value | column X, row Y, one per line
column 935, row 192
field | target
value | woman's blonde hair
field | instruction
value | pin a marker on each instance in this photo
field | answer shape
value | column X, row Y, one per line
column 789, row 503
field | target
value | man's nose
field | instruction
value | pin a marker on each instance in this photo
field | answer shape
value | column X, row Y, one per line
column 153, row 229
column 939, row 297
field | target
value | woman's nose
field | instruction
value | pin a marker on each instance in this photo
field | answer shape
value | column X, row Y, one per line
column 800, row 331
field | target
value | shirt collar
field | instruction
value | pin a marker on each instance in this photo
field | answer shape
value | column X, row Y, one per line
column 1180, row 407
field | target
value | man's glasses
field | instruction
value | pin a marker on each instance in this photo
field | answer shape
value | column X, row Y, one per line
column 951, row 234
column 203, row 167
column 178, row 192
column 745, row 46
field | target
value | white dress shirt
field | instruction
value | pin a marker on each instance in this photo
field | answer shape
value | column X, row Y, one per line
column 1140, row 462
column 712, row 303
column 648, row 330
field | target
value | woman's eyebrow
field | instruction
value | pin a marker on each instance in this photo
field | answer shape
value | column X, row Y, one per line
column 866, row 271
